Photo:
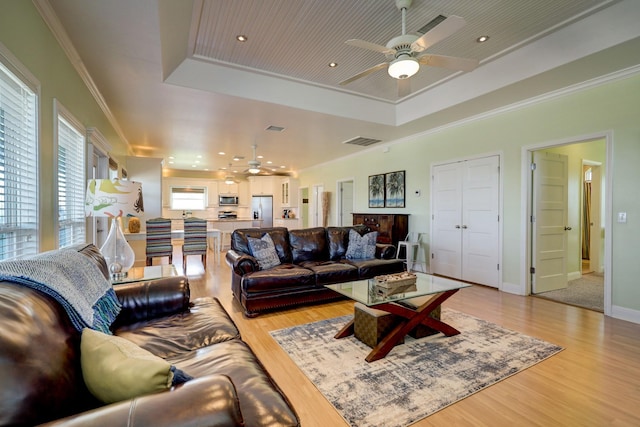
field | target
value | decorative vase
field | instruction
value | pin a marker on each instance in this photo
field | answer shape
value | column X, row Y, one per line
column 134, row 225
column 116, row 251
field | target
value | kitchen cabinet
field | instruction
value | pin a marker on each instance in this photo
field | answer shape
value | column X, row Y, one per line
column 391, row 228
column 261, row 185
column 289, row 193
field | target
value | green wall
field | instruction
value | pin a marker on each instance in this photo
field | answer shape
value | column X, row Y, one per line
column 612, row 106
column 24, row 33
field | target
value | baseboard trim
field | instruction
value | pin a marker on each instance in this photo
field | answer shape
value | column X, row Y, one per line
column 512, row 288
column 624, row 313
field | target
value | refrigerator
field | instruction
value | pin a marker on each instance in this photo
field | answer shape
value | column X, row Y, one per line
column 262, row 209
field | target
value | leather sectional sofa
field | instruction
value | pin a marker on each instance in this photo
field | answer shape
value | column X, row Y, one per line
column 43, row 382
column 309, row 259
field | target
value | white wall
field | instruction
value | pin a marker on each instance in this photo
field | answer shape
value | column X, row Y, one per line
column 606, row 107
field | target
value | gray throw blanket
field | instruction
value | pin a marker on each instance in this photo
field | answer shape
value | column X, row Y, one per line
column 73, row 280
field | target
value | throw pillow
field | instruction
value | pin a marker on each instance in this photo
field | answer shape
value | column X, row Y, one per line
column 116, row 369
column 264, row 251
column 361, row 247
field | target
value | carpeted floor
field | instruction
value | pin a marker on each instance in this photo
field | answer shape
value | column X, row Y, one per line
column 586, row 292
column 417, row 378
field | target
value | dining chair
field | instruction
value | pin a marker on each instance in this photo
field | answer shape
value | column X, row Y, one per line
column 159, row 239
column 195, row 240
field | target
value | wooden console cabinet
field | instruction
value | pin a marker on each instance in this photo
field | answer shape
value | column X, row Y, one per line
column 391, row 228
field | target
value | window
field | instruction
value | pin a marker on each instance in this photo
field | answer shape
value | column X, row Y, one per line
column 18, row 162
column 71, row 182
column 189, row 198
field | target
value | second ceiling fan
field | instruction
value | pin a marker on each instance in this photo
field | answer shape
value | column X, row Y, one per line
column 405, row 52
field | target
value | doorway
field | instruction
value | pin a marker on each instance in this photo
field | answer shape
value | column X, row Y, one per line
column 304, row 213
column 583, row 233
column 345, row 202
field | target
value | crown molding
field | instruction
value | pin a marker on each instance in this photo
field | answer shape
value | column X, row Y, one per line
column 53, row 22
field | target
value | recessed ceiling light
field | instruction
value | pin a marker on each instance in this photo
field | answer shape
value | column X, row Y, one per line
column 261, row 157
column 193, row 166
column 171, row 157
column 242, row 38
column 170, row 162
column 333, row 64
column 269, row 162
column 482, row 39
column 236, row 158
column 282, row 167
column 222, row 153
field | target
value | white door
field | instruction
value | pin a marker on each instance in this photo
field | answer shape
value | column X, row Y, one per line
column 549, row 222
column 447, row 213
column 345, row 189
column 466, row 238
column 480, row 221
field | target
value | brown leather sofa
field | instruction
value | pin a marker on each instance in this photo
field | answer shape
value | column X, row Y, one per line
column 42, row 375
column 310, row 258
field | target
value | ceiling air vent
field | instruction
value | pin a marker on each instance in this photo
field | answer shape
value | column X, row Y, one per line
column 362, row 141
column 275, row 128
column 435, row 21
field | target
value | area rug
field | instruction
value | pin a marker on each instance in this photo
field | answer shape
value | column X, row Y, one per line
column 417, row 378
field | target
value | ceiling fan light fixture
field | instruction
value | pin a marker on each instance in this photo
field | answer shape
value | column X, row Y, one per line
column 403, row 67
column 229, row 180
column 254, row 170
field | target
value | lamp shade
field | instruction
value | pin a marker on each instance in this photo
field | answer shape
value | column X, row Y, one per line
column 113, row 198
column 403, row 67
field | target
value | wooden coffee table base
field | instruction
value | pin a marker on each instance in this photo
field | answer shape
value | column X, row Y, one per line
column 412, row 318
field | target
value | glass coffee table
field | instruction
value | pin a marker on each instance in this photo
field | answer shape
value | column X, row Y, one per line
column 139, row 274
column 437, row 288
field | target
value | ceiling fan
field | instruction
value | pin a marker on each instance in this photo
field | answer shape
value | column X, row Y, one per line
column 405, row 51
column 254, row 165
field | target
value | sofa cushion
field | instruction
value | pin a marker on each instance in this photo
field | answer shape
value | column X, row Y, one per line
column 281, row 277
column 361, row 247
column 259, row 398
column 331, row 271
column 205, row 323
column 368, row 268
column 115, row 369
column 309, row 244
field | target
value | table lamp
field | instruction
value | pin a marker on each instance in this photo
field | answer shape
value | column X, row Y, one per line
column 115, row 199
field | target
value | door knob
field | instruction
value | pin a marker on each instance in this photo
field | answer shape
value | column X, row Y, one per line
column 464, row 226
column 567, row 228
column 457, row 226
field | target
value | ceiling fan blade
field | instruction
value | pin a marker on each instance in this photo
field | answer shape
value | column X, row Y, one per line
column 370, row 46
column 404, row 87
column 438, row 33
column 365, row 73
column 450, row 62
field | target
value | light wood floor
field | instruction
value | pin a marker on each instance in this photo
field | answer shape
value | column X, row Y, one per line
column 595, row 381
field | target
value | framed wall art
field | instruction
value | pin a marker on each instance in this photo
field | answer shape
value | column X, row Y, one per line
column 376, row 191
column 394, row 189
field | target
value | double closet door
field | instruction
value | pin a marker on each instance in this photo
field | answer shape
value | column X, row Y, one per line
column 466, row 222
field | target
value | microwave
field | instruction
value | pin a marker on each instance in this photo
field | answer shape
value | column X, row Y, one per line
column 228, row 200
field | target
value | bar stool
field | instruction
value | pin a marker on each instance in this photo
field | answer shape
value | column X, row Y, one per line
column 413, row 250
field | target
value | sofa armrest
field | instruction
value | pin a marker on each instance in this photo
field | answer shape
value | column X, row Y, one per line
column 241, row 263
column 385, row 251
column 207, row 401
column 150, row 299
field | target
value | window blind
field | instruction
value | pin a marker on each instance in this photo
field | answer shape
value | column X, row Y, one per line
column 18, row 167
column 188, row 198
column 71, row 184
